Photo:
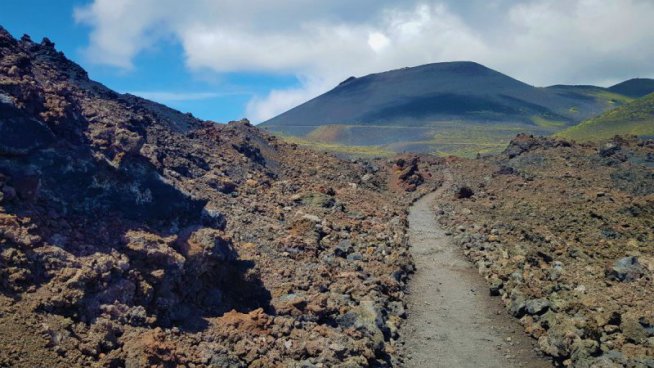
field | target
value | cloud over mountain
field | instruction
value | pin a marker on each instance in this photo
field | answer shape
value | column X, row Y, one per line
column 323, row 42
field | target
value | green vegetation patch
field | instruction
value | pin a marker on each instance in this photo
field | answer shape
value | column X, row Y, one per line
column 445, row 138
column 548, row 123
column 611, row 99
column 339, row 149
column 331, row 133
column 635, row 118
column 468, row 140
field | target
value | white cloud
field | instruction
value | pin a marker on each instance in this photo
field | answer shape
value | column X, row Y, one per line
column 322, row 42
column 279, row 100
column 121, row 28
column 378, row 41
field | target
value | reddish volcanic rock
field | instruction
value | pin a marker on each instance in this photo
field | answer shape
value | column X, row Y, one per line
column 134, row 235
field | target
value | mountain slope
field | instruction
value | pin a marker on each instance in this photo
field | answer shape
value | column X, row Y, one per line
column 436, row 101
column 603, row 99
column 453, row 90
column 637, row 87
column 635, row 118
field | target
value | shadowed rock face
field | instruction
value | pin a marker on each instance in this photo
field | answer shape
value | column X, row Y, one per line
column 81, row 165
column 67, row 143
column 20, row 134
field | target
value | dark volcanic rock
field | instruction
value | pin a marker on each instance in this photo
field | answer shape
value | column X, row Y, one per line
column 21, row 134
column 524, row 143
column 537, row 306
column 609, row 149
column 626, row 269
column 134, row 235
column 464, row 193
column 407, row 171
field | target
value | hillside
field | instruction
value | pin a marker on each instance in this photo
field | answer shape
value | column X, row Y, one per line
column 134, row 235
column 449, row 107
column 635, row 88
column 635, row 118
column 608, row 99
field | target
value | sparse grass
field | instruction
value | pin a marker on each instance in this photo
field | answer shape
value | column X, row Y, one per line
column 451, row 148
column 469, row 140
column 352, row 151
column 591, row 130
column 546, row 123
column 635, row 118
column 444, row 138
column 611, row 99
column 471, row 151
column 327, row 133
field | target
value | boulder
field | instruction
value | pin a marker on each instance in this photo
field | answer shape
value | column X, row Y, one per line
column 609, row 150
column 633, row 330
column 626, row 269
column 517, row 304
column 210, row 244
column 464, row 192
column 496, row 286
column 537, row 306
column 366, row 317
column 212, row 217
column 343, row 248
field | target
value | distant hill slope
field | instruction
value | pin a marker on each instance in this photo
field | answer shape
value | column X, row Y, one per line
column 636, row 117
column 603, row 97
column 637, row 87
column 453, row 107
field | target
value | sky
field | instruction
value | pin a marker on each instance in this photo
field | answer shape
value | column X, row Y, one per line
column 225, row 60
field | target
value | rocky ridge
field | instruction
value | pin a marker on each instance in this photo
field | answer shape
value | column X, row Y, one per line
column 134, row 235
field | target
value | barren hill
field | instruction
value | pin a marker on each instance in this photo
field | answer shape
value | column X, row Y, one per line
column 439, row 107
column 636, row 87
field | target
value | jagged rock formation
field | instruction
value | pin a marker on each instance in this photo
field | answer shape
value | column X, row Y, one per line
column 135, row 235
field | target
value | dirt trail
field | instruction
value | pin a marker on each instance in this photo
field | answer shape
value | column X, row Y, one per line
column 453, row 321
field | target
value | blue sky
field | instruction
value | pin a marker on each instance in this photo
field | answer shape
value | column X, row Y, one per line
column 159, row 73
column 226, row 59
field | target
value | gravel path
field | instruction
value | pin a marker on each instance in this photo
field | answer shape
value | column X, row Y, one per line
column 453, row 321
